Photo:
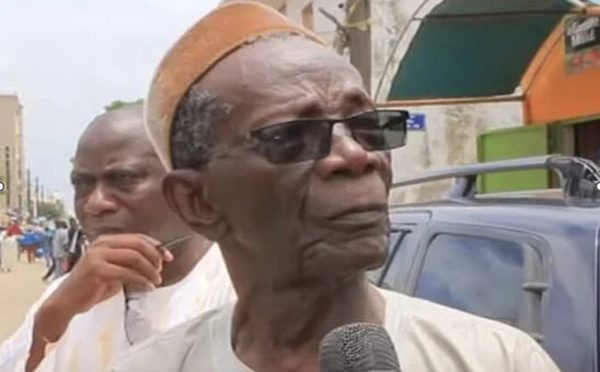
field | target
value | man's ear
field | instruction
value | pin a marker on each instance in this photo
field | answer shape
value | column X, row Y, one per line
column 185, row 192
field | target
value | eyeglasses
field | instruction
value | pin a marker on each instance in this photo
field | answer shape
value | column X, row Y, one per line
column 310, row 139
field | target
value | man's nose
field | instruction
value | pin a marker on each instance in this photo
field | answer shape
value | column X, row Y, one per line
column 346, row 156
column 99, row 202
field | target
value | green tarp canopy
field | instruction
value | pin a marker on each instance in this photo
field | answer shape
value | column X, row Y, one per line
column 475, row 48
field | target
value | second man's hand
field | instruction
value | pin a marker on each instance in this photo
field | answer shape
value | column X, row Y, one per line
column 110, row 263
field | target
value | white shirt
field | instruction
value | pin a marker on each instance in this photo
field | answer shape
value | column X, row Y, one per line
column 428, row 338
column 60, row 243
column 93, row 340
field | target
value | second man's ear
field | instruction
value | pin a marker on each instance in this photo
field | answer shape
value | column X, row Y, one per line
column 185, row 192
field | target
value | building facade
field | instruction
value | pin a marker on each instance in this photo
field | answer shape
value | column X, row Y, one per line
column 12, row 157
column 312, row 14
column 522, row 76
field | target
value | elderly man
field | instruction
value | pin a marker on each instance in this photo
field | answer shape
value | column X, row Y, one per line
column 124, row 289
column 278, row 154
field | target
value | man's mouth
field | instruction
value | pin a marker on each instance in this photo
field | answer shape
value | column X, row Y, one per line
column 359, row 212
column 364, row 217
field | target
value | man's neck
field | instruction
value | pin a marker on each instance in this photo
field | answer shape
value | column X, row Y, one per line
column 282, row 331
column 185, row 259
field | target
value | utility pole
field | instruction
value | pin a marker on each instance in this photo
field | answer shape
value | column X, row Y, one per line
column 353, row 35
column 37, row 196
column 8, row 178
column 358, row 15
column 29, row 204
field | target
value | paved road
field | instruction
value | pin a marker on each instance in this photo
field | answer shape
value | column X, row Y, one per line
column 18, row 291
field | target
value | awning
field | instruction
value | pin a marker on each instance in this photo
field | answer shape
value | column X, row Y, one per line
column 467, row 48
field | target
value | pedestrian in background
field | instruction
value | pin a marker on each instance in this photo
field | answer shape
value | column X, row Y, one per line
column 76, row 243
column 10, row 247
column 47, row 246
column 9, row 252
column 31, row 240
column 14, row 229
column 50, row 262
column 60, row 246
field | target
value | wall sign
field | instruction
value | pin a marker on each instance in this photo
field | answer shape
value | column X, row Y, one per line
column 416, row 122
column 582, row 43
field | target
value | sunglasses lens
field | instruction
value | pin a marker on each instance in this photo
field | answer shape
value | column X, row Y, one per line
column 301, row 140
column 382, row 130
column 294, row 141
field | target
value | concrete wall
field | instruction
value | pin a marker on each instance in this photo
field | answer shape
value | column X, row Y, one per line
column 449, row 138
column 11, row 134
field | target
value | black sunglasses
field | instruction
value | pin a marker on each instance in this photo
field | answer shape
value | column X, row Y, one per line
column 310, row 139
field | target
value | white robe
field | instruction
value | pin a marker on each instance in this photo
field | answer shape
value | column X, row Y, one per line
column 9, row 253
column 94, row 340
column 427, row 337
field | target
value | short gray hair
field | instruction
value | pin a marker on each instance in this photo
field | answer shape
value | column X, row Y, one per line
column 193, row 134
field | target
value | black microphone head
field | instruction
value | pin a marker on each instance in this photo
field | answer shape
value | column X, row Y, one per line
column 359, row 347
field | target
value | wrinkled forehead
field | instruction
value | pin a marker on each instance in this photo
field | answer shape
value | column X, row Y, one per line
column 280, row 74
column 275, row 61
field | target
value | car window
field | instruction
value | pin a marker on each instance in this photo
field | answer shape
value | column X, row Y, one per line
column 479, row 275
column 395, row 235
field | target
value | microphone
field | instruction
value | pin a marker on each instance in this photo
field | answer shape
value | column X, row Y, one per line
column 359, row 347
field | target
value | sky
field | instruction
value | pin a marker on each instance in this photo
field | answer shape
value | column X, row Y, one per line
column 67, row 59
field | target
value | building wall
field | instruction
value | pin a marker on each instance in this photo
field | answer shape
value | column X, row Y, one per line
column 449, row 138
column 11, row 135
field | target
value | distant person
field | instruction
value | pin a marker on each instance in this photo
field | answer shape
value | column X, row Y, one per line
column 14, row 228
column 31, row 241
column 123, row 289
column 77, row 243
column 49, row 253
column 9, row 252
column 47, row 246
column 60, row 248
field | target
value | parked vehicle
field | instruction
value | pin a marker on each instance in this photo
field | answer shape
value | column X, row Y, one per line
column 528, row 259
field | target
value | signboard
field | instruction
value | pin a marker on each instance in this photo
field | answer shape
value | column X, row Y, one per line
column 582, row 43
column 416, row 122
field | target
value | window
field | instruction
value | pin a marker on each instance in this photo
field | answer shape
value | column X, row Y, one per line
column 395, row 236
column 308, row 16
column 479, row 275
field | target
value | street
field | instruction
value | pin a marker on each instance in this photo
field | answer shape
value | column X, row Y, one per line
column 19, row 290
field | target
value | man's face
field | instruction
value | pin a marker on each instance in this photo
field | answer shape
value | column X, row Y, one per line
column 116, row 178
column 307, row 220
